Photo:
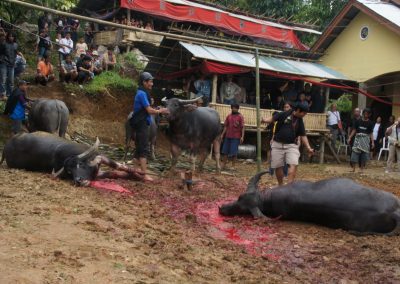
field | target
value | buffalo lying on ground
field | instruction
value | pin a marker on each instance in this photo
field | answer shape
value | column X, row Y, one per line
column 130, row 135
column 44, row 152
column 335, row 203
column 193, row 130
column 49, row 116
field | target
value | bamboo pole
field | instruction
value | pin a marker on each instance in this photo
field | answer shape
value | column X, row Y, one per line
column 214, row 89
column 258, row 111
column 119, row 26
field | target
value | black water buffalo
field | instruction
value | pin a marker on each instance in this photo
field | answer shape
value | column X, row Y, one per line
column 49, row 116
column 130, row 135
column 193, row 130
column 44, row 152
column 335, row 203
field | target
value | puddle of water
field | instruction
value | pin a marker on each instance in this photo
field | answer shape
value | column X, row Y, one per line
column 109, row 186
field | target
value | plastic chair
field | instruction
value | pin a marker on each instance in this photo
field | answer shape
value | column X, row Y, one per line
column 385, row 147
column 343, row 144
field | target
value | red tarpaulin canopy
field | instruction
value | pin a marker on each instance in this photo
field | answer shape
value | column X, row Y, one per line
column 181, row 10
column 208, row 67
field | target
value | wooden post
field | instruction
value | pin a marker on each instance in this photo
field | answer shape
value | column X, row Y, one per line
column 322, row 149
column 327, row 92
column 258, row 112
column 128, row 18
column 214, row 89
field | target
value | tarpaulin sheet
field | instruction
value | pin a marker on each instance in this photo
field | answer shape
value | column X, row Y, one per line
column 235, row 24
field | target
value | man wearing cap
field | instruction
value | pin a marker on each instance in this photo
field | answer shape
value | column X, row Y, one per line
column 45, row 71
column 16, row 105
column 363, row 131
column 97, row 65
column 289, row 127
column 141, row 120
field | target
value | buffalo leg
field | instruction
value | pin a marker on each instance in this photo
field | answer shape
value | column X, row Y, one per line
column 216, row 148
column 102, row 160
column 175, row 152
column 203, row 157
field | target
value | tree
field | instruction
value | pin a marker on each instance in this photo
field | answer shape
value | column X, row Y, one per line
column 17, row 14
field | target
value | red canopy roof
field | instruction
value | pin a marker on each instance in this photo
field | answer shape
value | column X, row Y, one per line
column 186, row 11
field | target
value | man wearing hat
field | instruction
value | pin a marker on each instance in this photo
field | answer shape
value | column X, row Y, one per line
column 289, row 128
column 363, row 131
column 141, row 120
column 16, row 105
column 97, row 65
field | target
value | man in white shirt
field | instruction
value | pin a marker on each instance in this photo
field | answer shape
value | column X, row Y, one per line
column 334, row 123
column 393, row 134
column 229, row 91
column 66, row 45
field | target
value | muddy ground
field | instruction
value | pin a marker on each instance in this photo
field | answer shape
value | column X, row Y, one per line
column 53, row 232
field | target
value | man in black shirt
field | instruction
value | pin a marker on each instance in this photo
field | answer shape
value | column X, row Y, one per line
column 363, row 131
column 289, row 127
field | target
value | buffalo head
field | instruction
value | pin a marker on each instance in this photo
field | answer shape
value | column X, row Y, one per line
column 83, row 168
column 247, row 203
column 176, row 106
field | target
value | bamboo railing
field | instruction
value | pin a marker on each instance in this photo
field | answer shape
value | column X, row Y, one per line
column 314, row 122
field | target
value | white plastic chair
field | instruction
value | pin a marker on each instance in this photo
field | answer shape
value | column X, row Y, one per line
column 385, row 147
column 343, row 144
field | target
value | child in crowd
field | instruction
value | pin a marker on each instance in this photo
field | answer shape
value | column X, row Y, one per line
column 234, row 135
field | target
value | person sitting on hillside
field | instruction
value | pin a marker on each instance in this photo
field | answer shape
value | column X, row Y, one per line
column 85, row 70
column 96, row 63
column 68, row 71
column 109, row 59
column 81, row 48
column 20, row 65
column 45, row 72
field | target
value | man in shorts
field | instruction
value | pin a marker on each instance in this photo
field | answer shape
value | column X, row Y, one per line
column 289, row 128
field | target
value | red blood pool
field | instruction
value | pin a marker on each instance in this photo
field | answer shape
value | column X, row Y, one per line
column 109, row 186
column 254, row 237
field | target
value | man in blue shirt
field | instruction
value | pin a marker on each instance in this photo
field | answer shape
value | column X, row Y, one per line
column 141, row 120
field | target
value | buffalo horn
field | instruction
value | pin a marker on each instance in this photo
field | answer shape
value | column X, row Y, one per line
column 253, row 183
column 164, row 100
column 90, row 150
column 192, row 101
column 56, row 174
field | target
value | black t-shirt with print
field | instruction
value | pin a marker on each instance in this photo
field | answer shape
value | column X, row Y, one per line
column 363, row 126
column 288, row 127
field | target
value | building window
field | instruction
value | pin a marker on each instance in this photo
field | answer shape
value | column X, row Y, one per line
column 364, row 33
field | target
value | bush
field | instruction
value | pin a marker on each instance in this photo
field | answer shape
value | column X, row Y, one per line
column 109, row 80
column 130, row 59
column 2, row 106
column 344, row 103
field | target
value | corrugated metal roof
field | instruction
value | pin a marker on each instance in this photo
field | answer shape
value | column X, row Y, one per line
column 387, row 10
column 288, row 66
column 254, row 20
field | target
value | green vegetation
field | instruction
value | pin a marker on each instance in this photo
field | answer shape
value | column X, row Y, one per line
column 104, row 83
column 2, row 106
column 343, row 103
column 129, row 59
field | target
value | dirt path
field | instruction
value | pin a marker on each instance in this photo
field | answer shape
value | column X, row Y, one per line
column 52, row 232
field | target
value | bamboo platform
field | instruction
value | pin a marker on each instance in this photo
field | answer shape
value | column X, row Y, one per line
column 125, row 36
column 315, row 123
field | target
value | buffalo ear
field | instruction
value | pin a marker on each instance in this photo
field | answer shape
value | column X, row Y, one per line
column 256, row 212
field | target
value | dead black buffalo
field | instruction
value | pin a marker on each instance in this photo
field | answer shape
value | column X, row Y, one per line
column 48, row 115
column 194, row 130
column 44, row 152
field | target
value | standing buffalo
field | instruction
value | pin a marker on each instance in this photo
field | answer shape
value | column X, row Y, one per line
column 44, row 152
column 335, row 203
column 49, row 116
column 130, row 135
column 194, row 130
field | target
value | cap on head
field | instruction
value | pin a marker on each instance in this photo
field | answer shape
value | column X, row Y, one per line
column 95, row 53
column 22, row 82
column 145, row 76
